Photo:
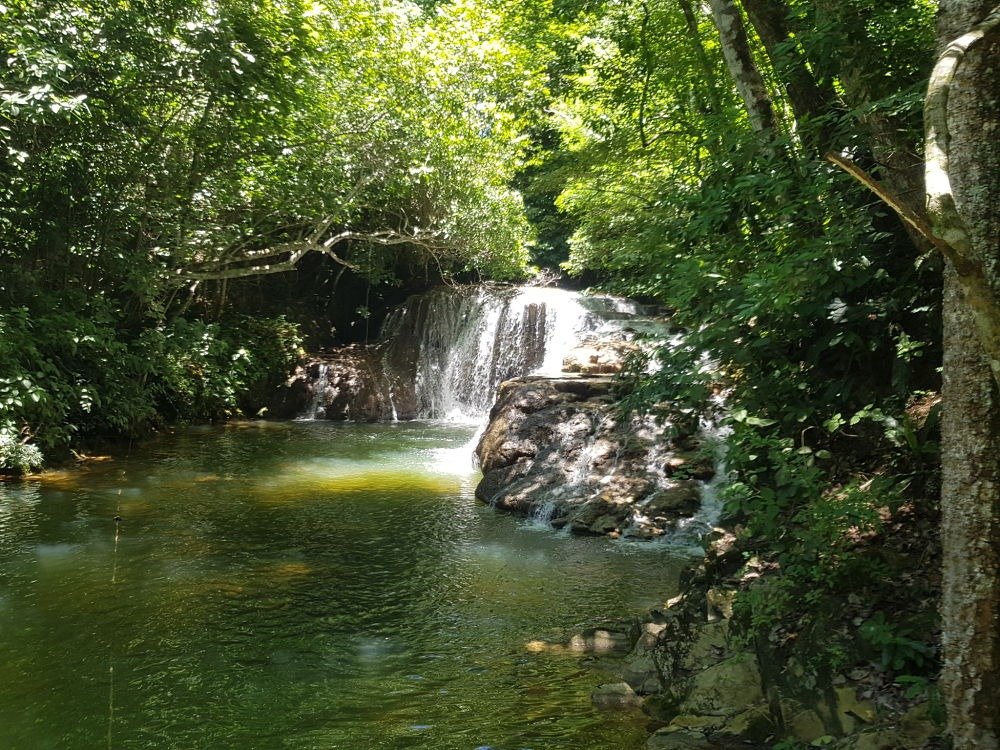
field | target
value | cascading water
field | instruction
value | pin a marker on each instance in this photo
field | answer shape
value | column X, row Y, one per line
column 443, row 356
column 459, row 344
column 317, row 408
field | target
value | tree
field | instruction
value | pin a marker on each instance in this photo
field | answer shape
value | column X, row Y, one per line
column 963, row 178
column 746, row 76
column 152, row 153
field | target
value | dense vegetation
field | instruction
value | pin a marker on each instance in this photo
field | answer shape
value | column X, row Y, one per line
column 153, row 154
column 819, row 314
column 167, row 165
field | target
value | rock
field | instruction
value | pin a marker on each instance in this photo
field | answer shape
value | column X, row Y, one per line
column 722, row 553
column 719, row 601
column 643, row 531
column 806, row 726
column 725, row 689
column 852, row 711
column 600, row 641
column 348, row 383
column 680, row 498
column 615, row 695
column 917, row 725
column 640, row 669
column 753, row 725
column 668, row 739
column 878, row 739
column 686, row 465
column 709, row 646
column 598, row 356
column 702, row 724
column 559, row 444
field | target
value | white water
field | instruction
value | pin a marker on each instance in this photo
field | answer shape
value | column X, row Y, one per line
column 465, row 341
column 316, row 408
column 448, row 350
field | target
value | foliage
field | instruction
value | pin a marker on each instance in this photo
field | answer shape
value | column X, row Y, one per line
column 16, row 456
column 147, row 139
column 146, row 147
column 64, row 375
column 897, row 646
column 799, row 298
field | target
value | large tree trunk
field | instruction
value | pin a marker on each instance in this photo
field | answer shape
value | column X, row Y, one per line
column 746, row 76
column 970, row 677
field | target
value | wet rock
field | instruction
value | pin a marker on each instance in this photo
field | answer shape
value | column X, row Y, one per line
column 600, row 641
column 644, row 531
column 725, row 689
column 679, row 499
column 348, row 383
column 615, row 695
column 558, row 443
column 599, row 516
column 688, row 465
column 674, row 739
column 596, row 356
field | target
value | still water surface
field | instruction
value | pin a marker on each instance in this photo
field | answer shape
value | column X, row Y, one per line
column 300, row 585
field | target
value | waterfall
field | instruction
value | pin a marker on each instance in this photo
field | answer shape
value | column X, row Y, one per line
column 442, row 354
column 458, row 344
column 317, row 398
column 555, row 448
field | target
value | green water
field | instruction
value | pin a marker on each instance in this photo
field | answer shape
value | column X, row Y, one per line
column 300, row 585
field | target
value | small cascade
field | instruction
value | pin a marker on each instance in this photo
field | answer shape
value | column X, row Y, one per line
column 456, row 345
column 690, row 531
column 317, row 398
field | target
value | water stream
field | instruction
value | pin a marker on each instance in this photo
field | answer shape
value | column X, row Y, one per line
column 300, row 585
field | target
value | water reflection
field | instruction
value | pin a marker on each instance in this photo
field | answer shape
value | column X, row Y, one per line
column 301, row 586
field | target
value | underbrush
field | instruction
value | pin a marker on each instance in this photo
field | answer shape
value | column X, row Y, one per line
column 68, row 372
column 839, row 533
column 836, row 516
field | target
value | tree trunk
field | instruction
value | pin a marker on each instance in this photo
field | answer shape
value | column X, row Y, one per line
column 713, row 102
column 970, row 504
column 812, row 104
column 746, row 76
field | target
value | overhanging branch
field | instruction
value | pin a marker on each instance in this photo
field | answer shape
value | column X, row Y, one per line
column 943, row 225
column 286, row 257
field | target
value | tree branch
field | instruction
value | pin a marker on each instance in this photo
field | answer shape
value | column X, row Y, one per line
column 285, row 257
column 944, row 226
column 894, row 202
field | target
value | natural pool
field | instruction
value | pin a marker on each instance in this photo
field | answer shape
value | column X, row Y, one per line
column 301, row 585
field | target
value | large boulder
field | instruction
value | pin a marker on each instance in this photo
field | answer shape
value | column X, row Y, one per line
column 558, row 448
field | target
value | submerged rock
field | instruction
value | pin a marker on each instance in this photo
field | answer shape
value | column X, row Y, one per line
column 558, row 449
column 616, row 695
